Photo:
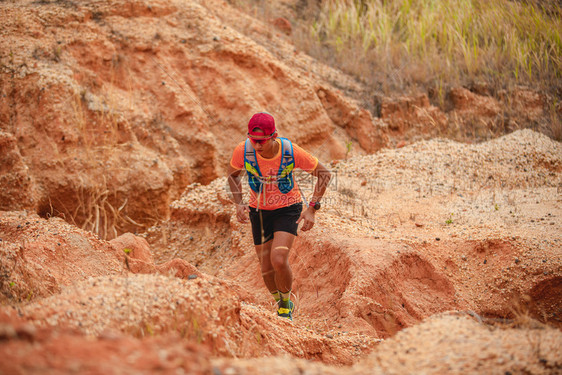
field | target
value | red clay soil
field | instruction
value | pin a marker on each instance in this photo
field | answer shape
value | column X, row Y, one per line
column 120, row 253
column 363, row 288
column 110, row 110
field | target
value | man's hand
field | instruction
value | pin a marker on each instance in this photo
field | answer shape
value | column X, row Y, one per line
column 242, row 213
column 307, row 217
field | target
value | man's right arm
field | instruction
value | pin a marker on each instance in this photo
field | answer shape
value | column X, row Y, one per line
column 235, row 184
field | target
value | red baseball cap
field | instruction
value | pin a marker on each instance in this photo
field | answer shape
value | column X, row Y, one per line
column 263, row 121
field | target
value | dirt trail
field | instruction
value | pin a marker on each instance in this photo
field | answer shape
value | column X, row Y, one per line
column 388, row 253
column 407, row 223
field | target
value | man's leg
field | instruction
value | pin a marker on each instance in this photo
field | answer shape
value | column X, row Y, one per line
column 267, row 272
column 282, row 243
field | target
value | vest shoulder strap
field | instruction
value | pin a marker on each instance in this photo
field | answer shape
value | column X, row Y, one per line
column 286, row 149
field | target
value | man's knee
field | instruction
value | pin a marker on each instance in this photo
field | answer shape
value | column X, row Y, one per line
column 279, row 256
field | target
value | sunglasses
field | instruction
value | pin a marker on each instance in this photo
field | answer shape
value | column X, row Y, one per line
column 260, row 139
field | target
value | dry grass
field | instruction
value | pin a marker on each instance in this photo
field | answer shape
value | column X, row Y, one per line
column 428, row 42
column 399, row 46
column 99, row 214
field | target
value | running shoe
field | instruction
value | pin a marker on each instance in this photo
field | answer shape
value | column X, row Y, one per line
column 285, row 312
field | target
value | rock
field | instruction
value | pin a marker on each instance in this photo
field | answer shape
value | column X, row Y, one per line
column 527, row 103
column 282, row 24
column 467, row 103
column 135, row 247
column 407, row 114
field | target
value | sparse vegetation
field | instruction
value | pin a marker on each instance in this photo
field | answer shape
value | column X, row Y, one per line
column 402, row 42
column 348, row 147
column 398, row 46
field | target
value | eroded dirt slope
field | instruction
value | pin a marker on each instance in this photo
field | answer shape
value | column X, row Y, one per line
column 387, row 282
column 434, row 257
column 109, row 109
column 386, row 270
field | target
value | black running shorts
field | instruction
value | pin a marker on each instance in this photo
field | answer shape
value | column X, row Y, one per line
column 283, row 219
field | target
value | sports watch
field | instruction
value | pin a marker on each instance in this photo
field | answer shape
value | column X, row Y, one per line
column 315, row 205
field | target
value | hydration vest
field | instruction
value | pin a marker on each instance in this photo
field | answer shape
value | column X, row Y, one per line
column 284, row 177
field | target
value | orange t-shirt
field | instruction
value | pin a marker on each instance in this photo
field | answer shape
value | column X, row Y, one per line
column 271, row 198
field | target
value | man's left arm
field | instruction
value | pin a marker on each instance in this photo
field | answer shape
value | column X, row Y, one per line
column 323, row 180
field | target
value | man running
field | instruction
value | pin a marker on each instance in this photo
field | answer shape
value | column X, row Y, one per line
column 275, row 208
